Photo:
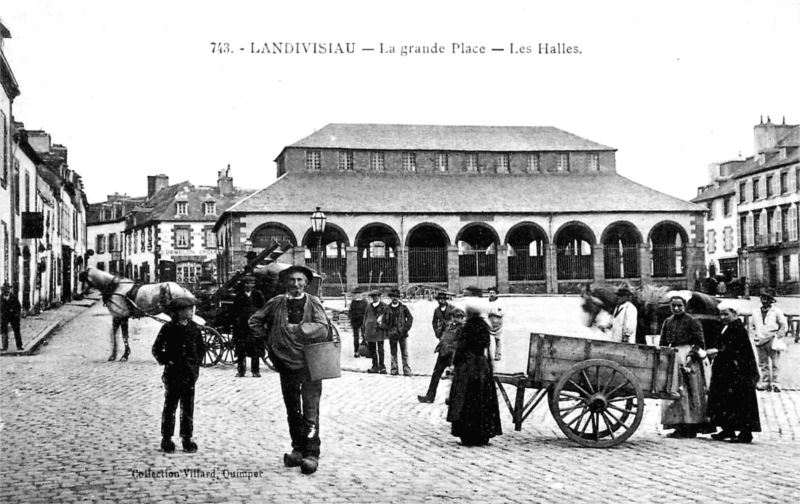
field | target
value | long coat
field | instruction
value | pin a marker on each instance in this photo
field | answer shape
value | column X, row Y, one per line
column 179, row 348
column 732, row 400
column 474, row 411
column 372, row 330
column 243, row 338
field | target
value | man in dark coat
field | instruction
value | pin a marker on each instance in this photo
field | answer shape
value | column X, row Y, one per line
column 179, row 348
column 10, row 313
column 358, row 307
column 732, row 399
column 246, row 303
column 397, row 322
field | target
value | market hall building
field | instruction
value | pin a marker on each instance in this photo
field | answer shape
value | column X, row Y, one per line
column 526, row 209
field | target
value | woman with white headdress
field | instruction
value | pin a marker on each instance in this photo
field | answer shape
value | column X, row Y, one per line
column 681, row 331
column 732, row 400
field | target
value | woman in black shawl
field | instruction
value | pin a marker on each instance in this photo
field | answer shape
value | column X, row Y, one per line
column 732, row 400
column 474, row 411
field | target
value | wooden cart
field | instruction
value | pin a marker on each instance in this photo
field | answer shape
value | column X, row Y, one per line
column 595, row 389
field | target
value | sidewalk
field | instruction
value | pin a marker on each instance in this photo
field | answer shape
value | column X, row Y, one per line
column 35, row 329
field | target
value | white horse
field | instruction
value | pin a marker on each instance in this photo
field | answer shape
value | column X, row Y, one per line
column 125, row 299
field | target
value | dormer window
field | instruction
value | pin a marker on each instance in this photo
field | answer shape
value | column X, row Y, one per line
column 210, row 208
column 181, row 208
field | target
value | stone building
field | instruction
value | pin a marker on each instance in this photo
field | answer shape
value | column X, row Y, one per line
column 528, row 209
column 768, row 198
column 165, row 236
column 10, row 225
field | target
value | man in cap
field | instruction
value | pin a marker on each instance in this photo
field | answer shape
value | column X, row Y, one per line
column 289, row 322
column 446, row 349
column 358, row 307
column 397, row 322
column 247, row 301
column 441, row 314
column 179, row 347
column 623, row 324
column 767, row 325
column 10, row 313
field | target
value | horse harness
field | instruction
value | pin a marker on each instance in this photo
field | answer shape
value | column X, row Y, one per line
column 110, row 291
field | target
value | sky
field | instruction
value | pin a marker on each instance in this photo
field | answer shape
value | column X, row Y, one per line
column 133, row 88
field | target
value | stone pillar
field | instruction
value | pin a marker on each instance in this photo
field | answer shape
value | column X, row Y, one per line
column 502, row 269
column 599, row 264
column 351, row 253
column 551, row 270
column 453, row 280
column 402, row 265
column 645, row 269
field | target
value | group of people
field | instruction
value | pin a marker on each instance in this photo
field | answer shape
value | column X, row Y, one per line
column 375, row 322
column 721, row 394
column 464, row 340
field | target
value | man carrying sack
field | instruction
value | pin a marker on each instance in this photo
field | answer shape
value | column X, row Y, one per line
column 288, row 323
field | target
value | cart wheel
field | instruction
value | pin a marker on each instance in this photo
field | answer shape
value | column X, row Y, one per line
column 597, row 403
column 213, row 344
column 228, row 351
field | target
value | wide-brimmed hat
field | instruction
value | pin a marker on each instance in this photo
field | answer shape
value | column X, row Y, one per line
column 624, row 291
column 294, row 269
column 768, row 294
column 473, row 291
column 443, row 294
column 394, row 292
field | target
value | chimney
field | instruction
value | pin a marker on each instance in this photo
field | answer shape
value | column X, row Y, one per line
column 155, row 183
column 224, row 182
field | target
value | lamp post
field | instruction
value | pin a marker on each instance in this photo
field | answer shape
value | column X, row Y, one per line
column 318, row 221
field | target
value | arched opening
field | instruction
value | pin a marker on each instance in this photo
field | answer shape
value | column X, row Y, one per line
column 377, row 255
column 333, row 250
column 668, row 250
column 526, row 253
column 574, row 254
column 270, row 232
column 427, row 254
column 477, row 254
column 621, row 251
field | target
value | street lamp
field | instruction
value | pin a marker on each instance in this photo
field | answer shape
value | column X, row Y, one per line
column 318, row 221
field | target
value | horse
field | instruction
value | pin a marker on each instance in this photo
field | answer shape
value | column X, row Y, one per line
column 124, row 299
column 652, row 303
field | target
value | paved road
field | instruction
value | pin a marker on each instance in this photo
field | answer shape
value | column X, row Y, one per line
column 78, row 428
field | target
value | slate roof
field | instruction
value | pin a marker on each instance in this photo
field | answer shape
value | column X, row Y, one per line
column 726, row 188
column 407, row 137
column 365, row 192
column 161, row 206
